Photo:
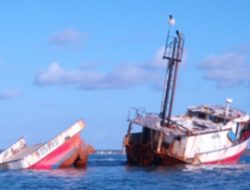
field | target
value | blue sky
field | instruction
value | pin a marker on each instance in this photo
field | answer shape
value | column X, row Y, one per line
column 61, row 61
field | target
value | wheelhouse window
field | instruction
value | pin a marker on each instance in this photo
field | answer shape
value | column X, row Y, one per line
column 198, row 114
column 206, row 116
column 217, row 119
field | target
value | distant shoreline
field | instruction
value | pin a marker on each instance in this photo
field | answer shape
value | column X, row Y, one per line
column 117, row 151
column 247, row 152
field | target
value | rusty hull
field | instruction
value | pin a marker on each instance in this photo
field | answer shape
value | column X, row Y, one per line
column 80, row 157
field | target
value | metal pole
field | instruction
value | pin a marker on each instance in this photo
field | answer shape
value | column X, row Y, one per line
column 166, row 76
column 167, row 91
column 176, row 66
column 165, row 104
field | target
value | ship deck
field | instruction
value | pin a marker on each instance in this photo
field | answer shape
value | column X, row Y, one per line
column 24, row 152
column 197, row 120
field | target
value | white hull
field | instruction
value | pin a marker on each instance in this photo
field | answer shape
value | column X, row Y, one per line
column 207, row 148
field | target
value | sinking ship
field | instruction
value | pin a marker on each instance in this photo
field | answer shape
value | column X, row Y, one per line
column 65, row 150
column 205, row 134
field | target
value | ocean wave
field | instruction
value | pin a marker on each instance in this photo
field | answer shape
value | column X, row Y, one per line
column 216, row 167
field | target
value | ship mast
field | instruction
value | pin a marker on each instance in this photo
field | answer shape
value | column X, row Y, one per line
column 173, row 53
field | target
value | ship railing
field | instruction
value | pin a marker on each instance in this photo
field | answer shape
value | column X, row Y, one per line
column 134, row 113
column 169, row 52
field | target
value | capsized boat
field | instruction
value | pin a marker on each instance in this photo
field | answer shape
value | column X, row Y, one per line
column 205, row 134
column 65, row 150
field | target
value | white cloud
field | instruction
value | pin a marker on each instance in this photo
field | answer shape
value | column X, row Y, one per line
column 122, row 76
column 67, row 37
column 158, row 61
column 7, row 94
column 229, row 69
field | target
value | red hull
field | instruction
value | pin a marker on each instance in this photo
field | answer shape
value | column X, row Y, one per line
column 230, row 160
column 73, row 152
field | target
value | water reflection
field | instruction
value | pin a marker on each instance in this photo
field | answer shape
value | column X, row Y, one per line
column 67, row 172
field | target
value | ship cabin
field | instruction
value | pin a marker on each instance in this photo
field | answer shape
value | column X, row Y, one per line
column 215, row 114
column 206, row 118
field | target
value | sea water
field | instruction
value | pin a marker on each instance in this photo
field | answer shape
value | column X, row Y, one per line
column 109, row 171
